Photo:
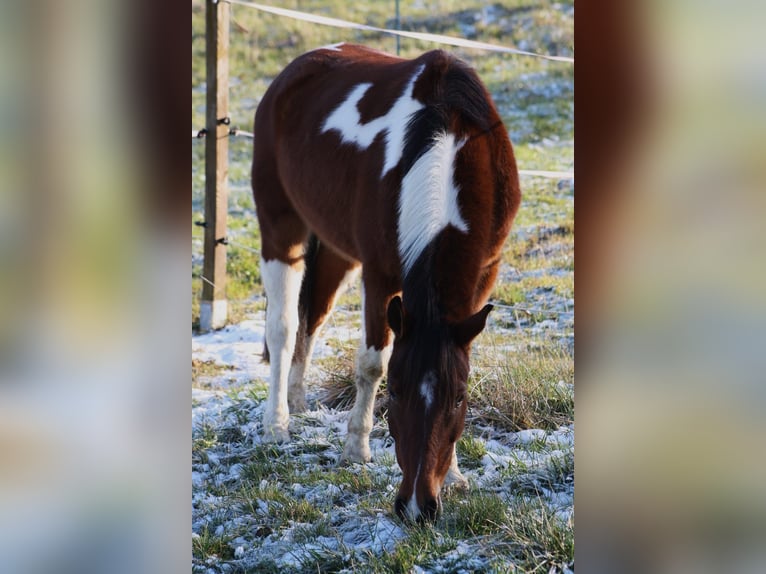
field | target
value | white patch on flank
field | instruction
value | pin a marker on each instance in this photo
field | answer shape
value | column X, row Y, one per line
column 282, row 284
column 427, row 389
column 428, row 199
column 347, row 120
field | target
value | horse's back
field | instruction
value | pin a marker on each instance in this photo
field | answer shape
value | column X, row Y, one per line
column 340, row 128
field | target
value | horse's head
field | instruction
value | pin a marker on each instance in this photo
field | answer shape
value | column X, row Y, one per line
column 427, row 384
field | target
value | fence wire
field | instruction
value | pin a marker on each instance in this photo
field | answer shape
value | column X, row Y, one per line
column 437, row 38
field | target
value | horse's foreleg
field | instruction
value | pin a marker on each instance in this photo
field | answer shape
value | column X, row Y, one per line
column 282, row 283
column 327, row 275
column 371, row 365
column 455, row 478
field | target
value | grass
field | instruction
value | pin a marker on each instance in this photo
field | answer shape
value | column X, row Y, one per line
column 506, row 523
column 268, row 462
column 470, row 451
column 207, row 545
column 205, row 371
column 421, row 543
column 478, row 514
column 509, row 294
column 531, row 390
column 537, row 538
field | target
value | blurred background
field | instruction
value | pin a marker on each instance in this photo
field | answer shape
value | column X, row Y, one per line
column 670, row 285
column 94, row 291
column 94, row 402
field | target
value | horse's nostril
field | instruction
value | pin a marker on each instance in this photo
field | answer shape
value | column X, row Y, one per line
column 431, row 509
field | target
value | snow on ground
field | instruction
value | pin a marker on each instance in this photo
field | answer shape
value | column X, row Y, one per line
column 227, row 414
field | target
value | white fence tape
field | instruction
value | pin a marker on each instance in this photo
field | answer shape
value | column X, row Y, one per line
column 529, row 172
column 450, row 40
column 418, row 35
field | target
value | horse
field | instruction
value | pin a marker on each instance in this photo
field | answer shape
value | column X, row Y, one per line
column 403, row 171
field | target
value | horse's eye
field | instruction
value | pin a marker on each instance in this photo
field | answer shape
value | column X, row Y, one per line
column 392, row 395
column 459, row 401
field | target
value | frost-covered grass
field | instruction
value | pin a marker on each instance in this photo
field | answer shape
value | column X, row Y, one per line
column 294, row 508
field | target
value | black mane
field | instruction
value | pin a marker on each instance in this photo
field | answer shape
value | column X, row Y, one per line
column 429, row 342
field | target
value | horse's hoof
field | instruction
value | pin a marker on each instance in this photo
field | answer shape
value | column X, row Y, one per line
column 456, row 481
column 275, row 434
column 355, row 453
column 297, row 406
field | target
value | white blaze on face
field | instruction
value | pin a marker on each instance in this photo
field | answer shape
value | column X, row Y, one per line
column 427, row 389
column 428, row 199
column 413, row 510
column 348, row 122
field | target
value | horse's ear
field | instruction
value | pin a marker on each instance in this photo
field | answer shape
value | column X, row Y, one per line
column 467, row 330
column 396, row 316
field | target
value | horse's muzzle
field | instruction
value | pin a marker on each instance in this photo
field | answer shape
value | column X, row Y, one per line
column 429, row 512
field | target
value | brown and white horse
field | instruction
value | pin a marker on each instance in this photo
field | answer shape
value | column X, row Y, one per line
column 404, row 169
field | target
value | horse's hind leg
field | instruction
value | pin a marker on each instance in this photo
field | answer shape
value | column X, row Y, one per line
column 371, row 365
column 326, row 277
column 283, row 238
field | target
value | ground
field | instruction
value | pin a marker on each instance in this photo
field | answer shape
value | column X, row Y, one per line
column 260, row 507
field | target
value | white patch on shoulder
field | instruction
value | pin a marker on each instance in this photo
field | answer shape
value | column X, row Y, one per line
column 428, row 199
column 427, row 389
column 347, row 121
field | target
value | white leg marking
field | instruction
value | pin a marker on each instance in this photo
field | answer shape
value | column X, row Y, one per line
column 428, row 199
column 455, row 478
column 427, row 389
column 282, row 284
column 370, row 366
column 347, row 120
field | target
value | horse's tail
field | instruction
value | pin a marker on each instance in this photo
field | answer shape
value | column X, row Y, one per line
column 304, row 300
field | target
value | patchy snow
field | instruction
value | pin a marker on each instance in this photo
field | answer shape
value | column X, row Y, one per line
column 226, row 419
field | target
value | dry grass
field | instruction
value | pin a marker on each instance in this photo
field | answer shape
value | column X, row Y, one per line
column 205, row 371
column 533, row 389
column 337, row 383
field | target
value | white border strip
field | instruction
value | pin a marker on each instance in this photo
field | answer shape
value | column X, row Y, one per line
column 550, row 174
column 450, row 40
